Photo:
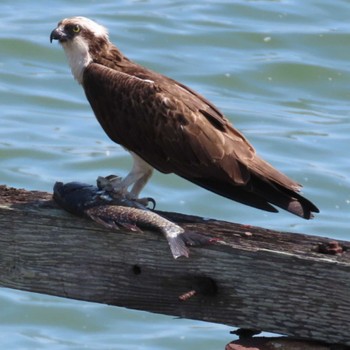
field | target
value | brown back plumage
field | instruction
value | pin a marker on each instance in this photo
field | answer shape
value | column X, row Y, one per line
column 178, row 131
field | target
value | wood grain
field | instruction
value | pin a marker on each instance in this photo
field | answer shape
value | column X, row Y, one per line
column 261, row 279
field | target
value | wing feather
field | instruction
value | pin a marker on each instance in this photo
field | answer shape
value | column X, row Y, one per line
column 165, row 125
column 176, row 130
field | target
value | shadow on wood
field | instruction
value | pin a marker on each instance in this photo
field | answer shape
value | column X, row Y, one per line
column 285, row 283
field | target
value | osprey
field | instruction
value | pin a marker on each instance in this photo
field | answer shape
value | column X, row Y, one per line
column 167, row 126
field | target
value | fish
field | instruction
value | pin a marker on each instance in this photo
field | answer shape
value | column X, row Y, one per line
column 115, row 211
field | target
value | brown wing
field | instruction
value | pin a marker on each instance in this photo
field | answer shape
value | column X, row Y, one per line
column 166, row 125
column 176, row 130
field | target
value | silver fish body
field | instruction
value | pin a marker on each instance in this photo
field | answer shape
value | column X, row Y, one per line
column 115, row 212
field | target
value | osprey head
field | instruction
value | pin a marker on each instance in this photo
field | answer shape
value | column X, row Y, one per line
column 81, row 39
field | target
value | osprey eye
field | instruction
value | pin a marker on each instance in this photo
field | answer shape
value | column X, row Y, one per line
column 76, row 29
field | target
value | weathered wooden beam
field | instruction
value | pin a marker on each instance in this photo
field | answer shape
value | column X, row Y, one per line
column 280, row 282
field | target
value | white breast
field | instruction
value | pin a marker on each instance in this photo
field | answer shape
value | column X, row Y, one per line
column 77, row 52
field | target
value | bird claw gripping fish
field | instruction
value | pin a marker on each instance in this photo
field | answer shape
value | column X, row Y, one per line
column 115, row 211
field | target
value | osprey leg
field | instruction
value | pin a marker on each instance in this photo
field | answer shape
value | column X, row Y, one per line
column 138, row 176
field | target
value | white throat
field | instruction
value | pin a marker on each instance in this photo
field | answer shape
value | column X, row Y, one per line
column 77, row 52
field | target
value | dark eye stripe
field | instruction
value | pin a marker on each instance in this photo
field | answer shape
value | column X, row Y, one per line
column 73, row 28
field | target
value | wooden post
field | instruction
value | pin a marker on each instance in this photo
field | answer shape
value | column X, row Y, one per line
column 287, row 283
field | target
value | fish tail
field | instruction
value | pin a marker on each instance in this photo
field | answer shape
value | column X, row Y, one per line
column 178, row 247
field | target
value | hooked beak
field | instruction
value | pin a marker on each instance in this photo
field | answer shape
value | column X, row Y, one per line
column 58, row 34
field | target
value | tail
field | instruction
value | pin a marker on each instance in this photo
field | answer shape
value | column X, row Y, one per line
column 179, row 243
column 285, row 198
column 263, row 193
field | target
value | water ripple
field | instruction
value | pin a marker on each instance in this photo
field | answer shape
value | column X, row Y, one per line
column 278, row 69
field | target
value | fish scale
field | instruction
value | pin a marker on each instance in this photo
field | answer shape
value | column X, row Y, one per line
column 115, row 212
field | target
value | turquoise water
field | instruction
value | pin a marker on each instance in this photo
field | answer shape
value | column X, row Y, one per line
column 279, row 70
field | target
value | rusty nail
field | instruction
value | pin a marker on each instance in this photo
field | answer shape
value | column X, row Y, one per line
column 187, row 295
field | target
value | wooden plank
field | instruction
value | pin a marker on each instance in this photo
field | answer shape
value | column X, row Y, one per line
column 274, row 281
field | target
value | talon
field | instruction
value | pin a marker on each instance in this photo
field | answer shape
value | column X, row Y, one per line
column 104, row 183
column 143, row 201
column 111, row 184
column 114, row 180
column 151, row 200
